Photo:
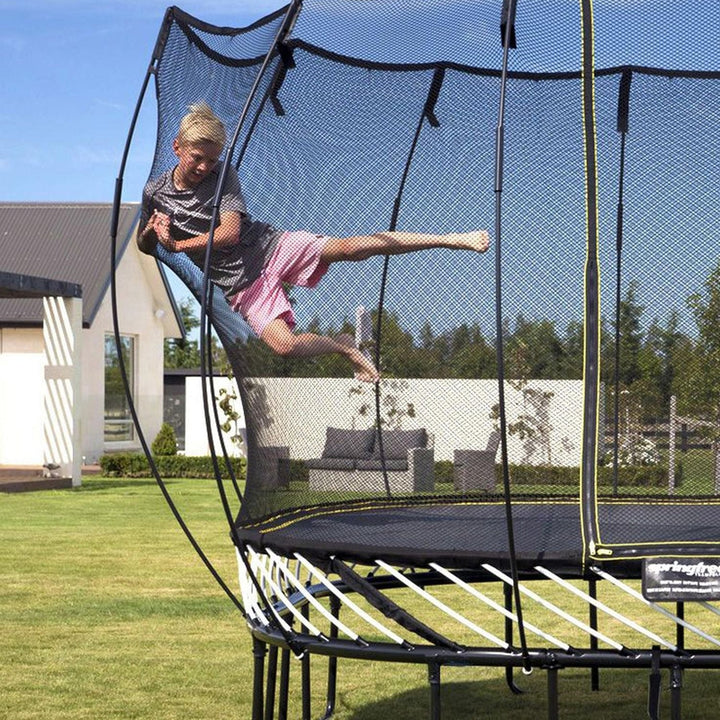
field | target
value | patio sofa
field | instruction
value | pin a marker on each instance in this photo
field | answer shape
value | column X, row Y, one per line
column 352, row 461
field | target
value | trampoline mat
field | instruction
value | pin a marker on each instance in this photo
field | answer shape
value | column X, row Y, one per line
column 468, row 533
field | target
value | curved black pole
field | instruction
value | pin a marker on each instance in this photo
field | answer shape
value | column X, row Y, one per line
column 508, row 14
column 622, row 127
column 283, row 29
column 428, row 113
column 162, row 36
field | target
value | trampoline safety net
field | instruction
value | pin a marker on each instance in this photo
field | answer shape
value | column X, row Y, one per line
column 371, row 116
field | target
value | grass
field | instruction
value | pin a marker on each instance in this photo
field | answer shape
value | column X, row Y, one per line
column 106, row 612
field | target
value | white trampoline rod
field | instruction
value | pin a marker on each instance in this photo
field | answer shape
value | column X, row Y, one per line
column 441, row 606
column 555, row 609
column 313, row 571
column 605, row 608
column 268, row 582
column 671, row 616
column 496, row 606
column 314, row 602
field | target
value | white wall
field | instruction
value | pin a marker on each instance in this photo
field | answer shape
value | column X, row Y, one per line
column 144, row 312
column 196, row 436
column 22, row 382
column 296, row 411
column 136, row 317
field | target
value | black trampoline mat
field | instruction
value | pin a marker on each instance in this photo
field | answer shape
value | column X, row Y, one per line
column 466, row 534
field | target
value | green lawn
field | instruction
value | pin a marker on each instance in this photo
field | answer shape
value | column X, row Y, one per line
column 106, row 612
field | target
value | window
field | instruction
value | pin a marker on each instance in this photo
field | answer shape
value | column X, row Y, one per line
column 118, row 421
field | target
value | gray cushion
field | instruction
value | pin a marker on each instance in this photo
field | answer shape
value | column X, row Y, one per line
column 377, row 464
column 331, row 464
column 396, row 443
column 342, row 443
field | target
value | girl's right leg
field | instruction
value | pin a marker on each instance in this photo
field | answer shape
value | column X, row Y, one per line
column 278, row 336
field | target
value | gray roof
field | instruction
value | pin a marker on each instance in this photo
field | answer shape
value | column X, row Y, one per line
column 68, row 242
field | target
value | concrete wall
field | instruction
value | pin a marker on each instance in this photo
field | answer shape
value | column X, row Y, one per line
column 296, row 411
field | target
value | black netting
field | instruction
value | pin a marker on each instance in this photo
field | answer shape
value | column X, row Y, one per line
column 378, row 115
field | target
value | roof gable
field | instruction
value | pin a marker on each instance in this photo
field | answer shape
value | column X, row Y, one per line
column 69, row 242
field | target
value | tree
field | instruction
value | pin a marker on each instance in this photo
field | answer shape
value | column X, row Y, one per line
column 697, row 381
column 183, row 352
column 627, row 328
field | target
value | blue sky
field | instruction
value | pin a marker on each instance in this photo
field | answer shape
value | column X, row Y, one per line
column 71, row 74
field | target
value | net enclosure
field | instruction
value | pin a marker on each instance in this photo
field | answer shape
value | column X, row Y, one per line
column 368, row 119
column 553, row 402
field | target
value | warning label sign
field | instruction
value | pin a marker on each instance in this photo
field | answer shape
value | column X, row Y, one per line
column 681, row 579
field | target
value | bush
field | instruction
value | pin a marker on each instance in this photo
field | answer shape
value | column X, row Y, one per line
column 178, row 466
column 165, row 442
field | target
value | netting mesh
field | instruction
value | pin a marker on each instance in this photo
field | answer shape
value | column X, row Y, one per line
column 381, row 115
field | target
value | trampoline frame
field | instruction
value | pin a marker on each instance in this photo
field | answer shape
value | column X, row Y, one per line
column 295, row 594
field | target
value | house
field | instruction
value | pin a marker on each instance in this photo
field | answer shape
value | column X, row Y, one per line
column 70, row 242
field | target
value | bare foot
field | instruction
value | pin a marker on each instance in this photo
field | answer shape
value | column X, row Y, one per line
column 365, row 371
column 477, row 240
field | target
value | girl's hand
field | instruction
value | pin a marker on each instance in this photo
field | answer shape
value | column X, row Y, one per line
column 161, row 225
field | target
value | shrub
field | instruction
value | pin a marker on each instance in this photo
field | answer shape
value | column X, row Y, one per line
column 179, row 466
column 165, row 442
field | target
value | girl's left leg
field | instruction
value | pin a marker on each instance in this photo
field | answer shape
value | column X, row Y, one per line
column 361, row 247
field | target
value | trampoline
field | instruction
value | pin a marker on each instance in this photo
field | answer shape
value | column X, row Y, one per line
column 584, row 137
column 466, row 533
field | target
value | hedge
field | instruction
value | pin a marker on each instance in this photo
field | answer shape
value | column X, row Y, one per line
column 179, row 466
column 136, row 465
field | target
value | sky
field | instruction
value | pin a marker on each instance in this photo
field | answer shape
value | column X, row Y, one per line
column 72, row 71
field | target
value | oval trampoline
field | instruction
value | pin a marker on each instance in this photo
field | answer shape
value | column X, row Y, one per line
column 545, row 412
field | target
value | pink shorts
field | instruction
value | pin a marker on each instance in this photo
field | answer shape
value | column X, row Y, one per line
column 296, row 260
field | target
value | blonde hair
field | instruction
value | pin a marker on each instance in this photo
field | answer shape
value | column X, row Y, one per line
column 201, row 125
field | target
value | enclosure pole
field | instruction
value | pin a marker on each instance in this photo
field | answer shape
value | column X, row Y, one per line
column 671, row 446
column 623, row 113
column 508, row 38
column 509, row 674
column 114, row 221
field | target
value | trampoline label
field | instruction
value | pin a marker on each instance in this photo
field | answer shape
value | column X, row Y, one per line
column 681, row 579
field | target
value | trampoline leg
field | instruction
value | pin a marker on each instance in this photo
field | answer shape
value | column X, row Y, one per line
column 509, row 679
column 552, row 687
column 271, row 682
column 332, row 664
column 434, row 678
column 305, row 674
column 654, row 685
column 593, row 618
column 284, row 684
column 679, row 627
column 676, row 679
column 259, row 650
